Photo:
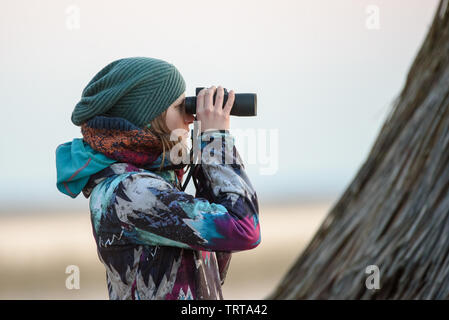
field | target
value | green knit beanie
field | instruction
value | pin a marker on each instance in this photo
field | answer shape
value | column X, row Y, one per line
column 138, row 89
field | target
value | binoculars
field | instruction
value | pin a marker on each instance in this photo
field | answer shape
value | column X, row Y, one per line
column 245, row 104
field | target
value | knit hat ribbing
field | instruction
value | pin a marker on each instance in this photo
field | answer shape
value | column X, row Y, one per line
column 137, row 89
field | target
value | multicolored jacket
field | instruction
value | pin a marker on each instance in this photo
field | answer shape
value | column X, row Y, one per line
column 158, row 242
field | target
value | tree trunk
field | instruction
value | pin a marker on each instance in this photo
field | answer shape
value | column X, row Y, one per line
column 395, row 213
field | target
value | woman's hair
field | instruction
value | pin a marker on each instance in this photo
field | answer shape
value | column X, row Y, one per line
column 159, row 128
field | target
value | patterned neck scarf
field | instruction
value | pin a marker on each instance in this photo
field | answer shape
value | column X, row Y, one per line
column 119, row 139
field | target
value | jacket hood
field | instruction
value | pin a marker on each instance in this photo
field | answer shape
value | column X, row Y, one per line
column 80, row 168
column 76, row 161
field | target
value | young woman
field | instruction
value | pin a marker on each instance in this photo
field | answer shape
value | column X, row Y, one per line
column 156, row 241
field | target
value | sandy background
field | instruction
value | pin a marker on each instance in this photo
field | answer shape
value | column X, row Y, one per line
column 36, row 248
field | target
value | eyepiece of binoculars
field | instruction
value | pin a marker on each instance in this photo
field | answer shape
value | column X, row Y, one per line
column 245, row 104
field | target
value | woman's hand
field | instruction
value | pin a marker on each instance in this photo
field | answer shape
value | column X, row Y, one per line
column 214, row 116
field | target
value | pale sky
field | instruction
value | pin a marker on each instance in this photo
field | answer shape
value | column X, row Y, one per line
column 324, row 78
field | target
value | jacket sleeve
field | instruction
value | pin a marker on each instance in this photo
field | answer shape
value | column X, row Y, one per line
column 203, row 191
column 157, row 213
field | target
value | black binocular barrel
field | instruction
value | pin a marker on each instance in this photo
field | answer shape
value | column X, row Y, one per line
column 245, row 104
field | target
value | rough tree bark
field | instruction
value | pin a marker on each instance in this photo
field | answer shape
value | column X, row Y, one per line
column 395, row 213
